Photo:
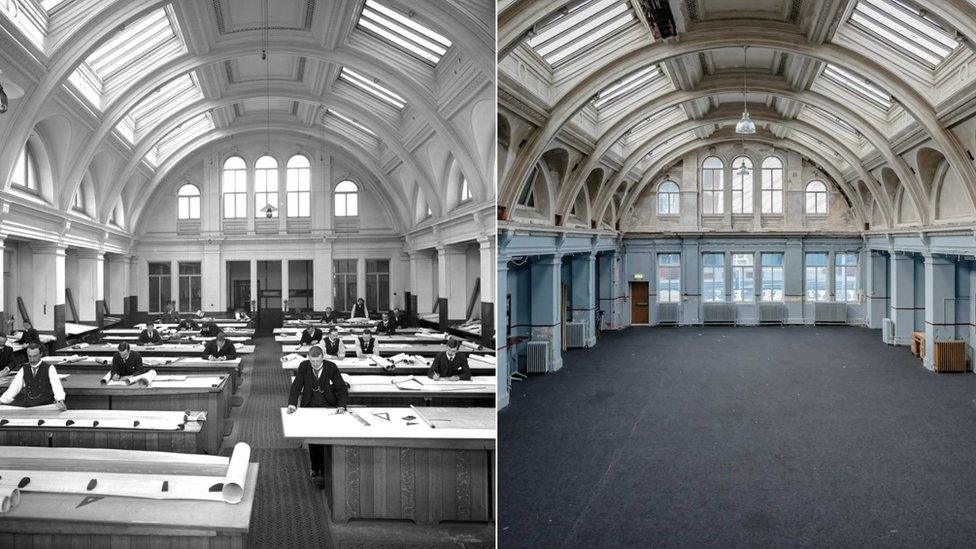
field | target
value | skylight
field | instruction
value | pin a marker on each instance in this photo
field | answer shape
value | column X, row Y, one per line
column 401, row 31
column 580, row 27
column 165, row 100
column 179, row 136
column 372, row 88
column 350, row 121
column 835, row 119
column 906, row 28
column 130, row 53
column 859, row 85
column 626, row 86
column 49, row 5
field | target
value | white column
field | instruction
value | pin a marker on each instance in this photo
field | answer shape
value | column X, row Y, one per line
column 118, row 278
column 505, row 352
column 213, row 283
column 174, row 282
column 91, row 283
column 3, row 298
column 875, row 288
column 322, row 277
column 421, row 273
column 546, row 273
column 487, row 266
column 254, row 284
column 49, row 282
column 452, row 279
column 284, row 284
column 361, row 277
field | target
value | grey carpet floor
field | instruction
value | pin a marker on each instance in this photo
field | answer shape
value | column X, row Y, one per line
column 739, row 437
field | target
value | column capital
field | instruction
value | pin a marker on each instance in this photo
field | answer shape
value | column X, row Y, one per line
column 48, row 248
column 937, row 259
column 86, row 253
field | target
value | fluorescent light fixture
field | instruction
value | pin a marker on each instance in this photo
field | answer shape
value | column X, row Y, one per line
column 376, row 90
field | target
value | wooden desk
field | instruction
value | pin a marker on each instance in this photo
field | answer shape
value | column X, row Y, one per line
column 419, row 390
column 182, row 333
column 182, row 339
column 20, row 347
column 164, row 365
column 110, row 434
column 390, row 349
column 58, row 520
column 210, row 394
column 164, row 349
column 224, row 323
column 392, row 470
column 73, row 329
column 417, row 366
column 351, row 339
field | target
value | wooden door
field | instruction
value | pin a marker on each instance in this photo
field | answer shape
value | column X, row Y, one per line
column 639, row 303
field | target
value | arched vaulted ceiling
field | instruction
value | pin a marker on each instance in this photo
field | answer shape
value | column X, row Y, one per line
column 856, row 83
column 382, row 81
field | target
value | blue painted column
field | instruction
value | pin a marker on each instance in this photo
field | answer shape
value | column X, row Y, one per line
column 690, row 282
column 875, row 278
column 617, row 303
column 793, row 267
column 902, row 297
column 584, row 293
column 940, row 304
column 546, row 283
column 506, row 353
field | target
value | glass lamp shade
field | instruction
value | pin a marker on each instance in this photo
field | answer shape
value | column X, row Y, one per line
column 746, row 125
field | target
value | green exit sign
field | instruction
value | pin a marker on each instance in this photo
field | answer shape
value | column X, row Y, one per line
column 638, row 276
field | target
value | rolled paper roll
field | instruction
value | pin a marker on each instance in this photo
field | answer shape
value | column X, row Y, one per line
column 233, row 490
column 106, row 378
column 9, row 498
column 144, row 379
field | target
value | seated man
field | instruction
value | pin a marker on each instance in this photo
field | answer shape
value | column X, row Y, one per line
column 450, row 365
column 219, row 349
column 320, row 385
column 188, row 324
column 30, row 335
column 210, row 329
column 359, row 310
column 386, row 326
column 150, row 336
column 310, row 336
column 170, row 316
column 241, row 316
column 334, row 347
column 6, row 356
column 367, row 344
column 330, row 317
column 126, row 363
column 398, row 318
column 36, row 384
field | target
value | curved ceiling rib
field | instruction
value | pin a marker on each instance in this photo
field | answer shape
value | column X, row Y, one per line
column 782, row 38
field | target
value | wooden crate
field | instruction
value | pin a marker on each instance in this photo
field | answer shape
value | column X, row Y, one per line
column 950, row 356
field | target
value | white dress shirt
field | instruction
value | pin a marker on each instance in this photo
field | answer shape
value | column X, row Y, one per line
column 17, row 385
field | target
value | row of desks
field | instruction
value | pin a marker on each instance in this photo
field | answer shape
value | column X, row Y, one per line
column 391, row 349
column 164, row 349
column 206, row 393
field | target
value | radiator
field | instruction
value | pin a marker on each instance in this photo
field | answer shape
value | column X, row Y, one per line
column 888, row 331
column 537, row 357
column 772, row 313
column 667, row 313
column 576, row 334
column 830, row 313
column 950, row 356
column 718, row 313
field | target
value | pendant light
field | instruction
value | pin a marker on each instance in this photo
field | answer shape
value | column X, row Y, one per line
column 745, row 126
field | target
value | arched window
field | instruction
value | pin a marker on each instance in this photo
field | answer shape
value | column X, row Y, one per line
column 265, row 186
column 772, row 185
column 713, row 186
column 25, row 172
column 299, row 187
column 79, row 202
column 667, row 198
column 742, row 185
column 346, row 199
column 816, row 198
column 235, row 188
column 188, row 202
column 465, row 190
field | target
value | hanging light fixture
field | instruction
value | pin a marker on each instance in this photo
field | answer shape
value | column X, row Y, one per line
column 745, row 126
column 3, row 100
column 743, row 170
